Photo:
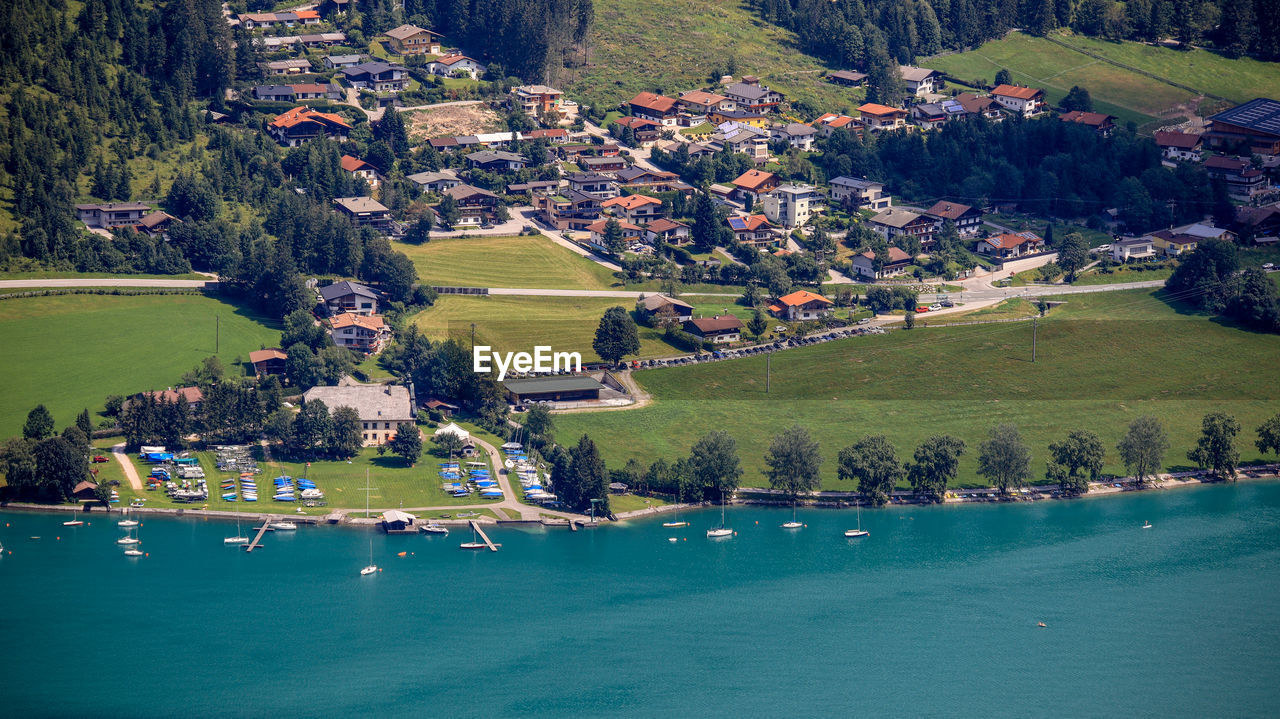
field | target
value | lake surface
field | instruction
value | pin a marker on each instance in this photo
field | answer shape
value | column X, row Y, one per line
column 933, row 615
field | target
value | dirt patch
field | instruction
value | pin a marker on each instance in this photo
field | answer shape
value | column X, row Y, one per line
column 453, row 120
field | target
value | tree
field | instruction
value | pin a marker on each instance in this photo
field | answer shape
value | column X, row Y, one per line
column 1216, row 448
column 706, row 223
column 616, row 336
column 1073, row 255
column 1255, row 303
column 713, row 463
column 757, row 324
column 1070, row 459
column 1143, row 447
column 538, row 422
column 448, row 212
column 909, row 320
column 345, row 438
column 84, row 423
column 794, row 462
column 589, row 478
column 633, row 474
column 937, row 461
column 18, row 463
column 39, row 424
column 1269, row 435
column 1078, row 99
column 300, row 326
column 873, row 461
column 1004, row 77
column 59, row 467
column 407, row 443
column 613, row 239
column 310, row 428
column 1004, row 458
column 420, row 231
column 447, row 443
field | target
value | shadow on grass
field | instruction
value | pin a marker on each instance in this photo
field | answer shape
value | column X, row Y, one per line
column 389, row 462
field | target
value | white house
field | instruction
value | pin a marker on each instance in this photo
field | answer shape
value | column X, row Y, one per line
column 919, row 81
column 1025, row 101
column 792, row 205
column 860, row 192
column 1133, row 248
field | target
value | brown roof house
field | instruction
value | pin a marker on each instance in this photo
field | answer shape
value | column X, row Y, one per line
column 655, row 304
column 413, row 40
column 1025, row 101
column 268, row 361
column 897, row 222
column 864, row 264
column 652, row 106
column 363, row 333
column 1010, row 244
column 382, row 408
column 968, row 220
column 718, row 329
column 802, row 305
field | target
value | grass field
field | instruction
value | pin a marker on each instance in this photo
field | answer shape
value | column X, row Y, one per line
column 1122, row 275
column 71, row 351
column 1102, row 360
column 51, row 275
column 533, row 261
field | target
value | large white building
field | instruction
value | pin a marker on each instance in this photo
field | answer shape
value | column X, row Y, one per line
column 792, row 205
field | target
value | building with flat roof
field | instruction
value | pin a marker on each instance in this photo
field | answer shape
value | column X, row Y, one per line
column 571, row 388
column 1254, row 126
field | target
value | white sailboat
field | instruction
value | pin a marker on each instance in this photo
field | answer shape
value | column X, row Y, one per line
column 239, row 538
column 433, row 528
column 75, row 520
column 793, row 524
column 859, row 532
column 473, row 544
column 132, row 550
column 677, row 522
column 283, row 526
column 721, row 531
column 372, row 567
column 128, row 539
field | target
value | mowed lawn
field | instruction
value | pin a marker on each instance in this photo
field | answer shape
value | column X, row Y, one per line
column 517, row 324
column 533, row 261
column 1101, row 361
column 71, row 351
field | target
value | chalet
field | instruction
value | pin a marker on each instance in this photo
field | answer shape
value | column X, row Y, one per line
column 296, row 66
column 85, row 490
column 296, row 126
column 193, row 396
column 381, row 408
column 268, row 362
column 1259, row 224
column 753, row 96
column 337, row 62
column 752, row 118
column 475, row 206
column 894, row 222
column 362, row 333
column 537, row 100
column 435, row 181
column 877, row 117
column 848, row 78
column 895, row 262
column 629, row 232
column 1179, row 146
column 377, row 77
column 656, row 304
column 830, row 122
column 455, row 66
column 157, row 224
column 968, row 220
column 792, row 205
column 444, row 143
column 920, row 81
column 754, row 230
column 532, row 187
column 568, row 209
column 669, row 231
column 360, row 168
column 364, row 212
column 1010, row 244
column 795, row 135
column 979, row 106
column 294, row 93
column 274, row 93
column 1133, row 248
column 638, row 177
column 750, row 141
column 491, row 161
column 111, row 214
column 349, row 297
column 700, row 102
column 1242, row 178
column 646, row 131
column 929, row 115
column 593, row 183
column 860, row 193
column 655, row 107
column 413, row 40
column 1020, row 100
column 753, row 185
column 258, row 20
column 718, row 329
column 555, row 135
column 802, row 305
column 1102, row 124
column 602, row 164
column 638, row 209
column 1253, row 127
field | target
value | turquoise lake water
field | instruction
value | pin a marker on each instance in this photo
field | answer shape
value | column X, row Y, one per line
column 934, row 615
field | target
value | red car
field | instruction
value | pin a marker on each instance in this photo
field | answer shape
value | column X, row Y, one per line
column 922, row 309
column 99, row 458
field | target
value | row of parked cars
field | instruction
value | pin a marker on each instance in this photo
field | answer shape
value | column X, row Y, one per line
column 755, row 349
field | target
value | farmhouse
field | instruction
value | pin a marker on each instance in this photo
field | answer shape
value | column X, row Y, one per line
column 475, row 206
column 156, row 223
column 718, row 329
column 1025, row 101
column 552, row 389
column 1010, row 244
column 1253, row 127
column 658, row 108
column 111, row 214
column 1102, row 124
column 848, row 78
column 296, row 126
column 360, row 168
column 895, row 263
column 347, row 296
column 753, row 96
column 655, row 304
column 268, row 362
column 754, row 230
column 802, row 305
column 362, row 333
column 920, row 81
column 364, row 212
column 860, row 193
column 413, row 40
column 877, row 117
column 377, row 77
column 1179, row 146
column 968, row 220
column 754, row 184
column 635, row 208
column 895, row 222
column 669, row 231
column 381, row 408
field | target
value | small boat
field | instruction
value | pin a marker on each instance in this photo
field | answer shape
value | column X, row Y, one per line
column 434, row 528
column 859, row 532
column 372, row 567
column 283, row 526
column 235, row 540
column 473, row 544
column 677, row 522
column 75, row 520
column 127, row 523
column 368, row 570
column 133, row 552
column 793, row 524
column 1147, row 525
column 1040, row 624
column 672, row 539
column 721, row 531
column 127, row 540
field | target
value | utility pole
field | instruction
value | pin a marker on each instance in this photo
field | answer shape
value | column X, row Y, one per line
column 1034, row 333
column 768, row 370
column 217, row 334
column 473, row 336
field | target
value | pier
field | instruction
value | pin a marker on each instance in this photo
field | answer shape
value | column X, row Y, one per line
column 257, row 539
column 475, row 527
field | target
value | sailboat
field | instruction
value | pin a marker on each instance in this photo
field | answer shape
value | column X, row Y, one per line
column 239, row 538
column 283, row 525
column 372, row 567
column 859, row 532
column 433, row 528
column 677, row 522
column 128, row 539
column 473, row 544
column 721, row 531
column 75, row 520
column 793, row 524
column 132, row 550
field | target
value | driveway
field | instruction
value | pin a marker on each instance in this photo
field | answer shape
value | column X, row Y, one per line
column 130, row 472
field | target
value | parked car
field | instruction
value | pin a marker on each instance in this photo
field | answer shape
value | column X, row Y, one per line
column 935, row 308
column 99, row 458
column 922, row 309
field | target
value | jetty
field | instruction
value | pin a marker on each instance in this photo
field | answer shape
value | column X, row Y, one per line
column 475, row 527
column 257, row 539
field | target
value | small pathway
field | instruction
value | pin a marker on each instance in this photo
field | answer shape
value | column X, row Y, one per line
column 130, row 472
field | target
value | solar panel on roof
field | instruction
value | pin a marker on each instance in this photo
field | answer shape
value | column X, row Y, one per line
column 737, row 223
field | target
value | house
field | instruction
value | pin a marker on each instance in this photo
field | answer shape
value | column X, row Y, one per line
column 296, row 126
column 491, row 161
column 413, row 40
column 828, row 123
column 802, row 305
column 750, row 141
column 537, row 100
column 1252, row 128
column 568, row 209
column 653, row 305
column 859, row 193
column 1259, row 224
column 929, row 115
column 968, row 220
column 475, row 206
column 876, row 117
column 636, row 177
column 455, row 66
column 1242, row 178
column 979, row 106
column 193, row 396
column 721, row 194
column 718, row 329
column 396, row 522
column 258, row 20
column 533, row 187
column 1020, row 100
column 753, row 96
column 364, row 212
column 1179, row 146
column 111, row 214
column 919, row 81
column 593, row 183
column 349, row 297
column 156, row 224
column 274, row 93
column 337, row 62
column 296, row 66
column 752, row 118
column 602, row 164
column 753, row 185
column 363, row 333
column 1133, row 248
column 1010, row 244
column 268, row 362
column 895, row 262
column 669, row 231
column 1177, row 241
column 754, row 230
column 796, row 135
column 848, row 78
column 572, row 388
column 555, row 135
column 629, row 232
column 444, row 144
column 700, row 102
column 1102, row 124
column 652, row 106
column 646, row 131
column 381, row 408
column 440, row 406
column 894, row 222
column 792, row 205
column 323, row 39
column 377, row 77
column 85, row 490
column 638, row 209
column 435, row 181
column 360, row 168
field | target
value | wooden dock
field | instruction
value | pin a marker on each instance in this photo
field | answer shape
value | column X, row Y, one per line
column 257, row 540
column 475, row 527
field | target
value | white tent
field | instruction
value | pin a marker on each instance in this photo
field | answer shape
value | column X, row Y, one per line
column 454, row 429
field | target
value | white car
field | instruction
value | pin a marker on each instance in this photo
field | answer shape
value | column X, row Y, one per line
column 1268, row 266
column 934, row 308
column 864, row 321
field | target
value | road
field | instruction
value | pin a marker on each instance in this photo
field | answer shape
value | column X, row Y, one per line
column 130, row 472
